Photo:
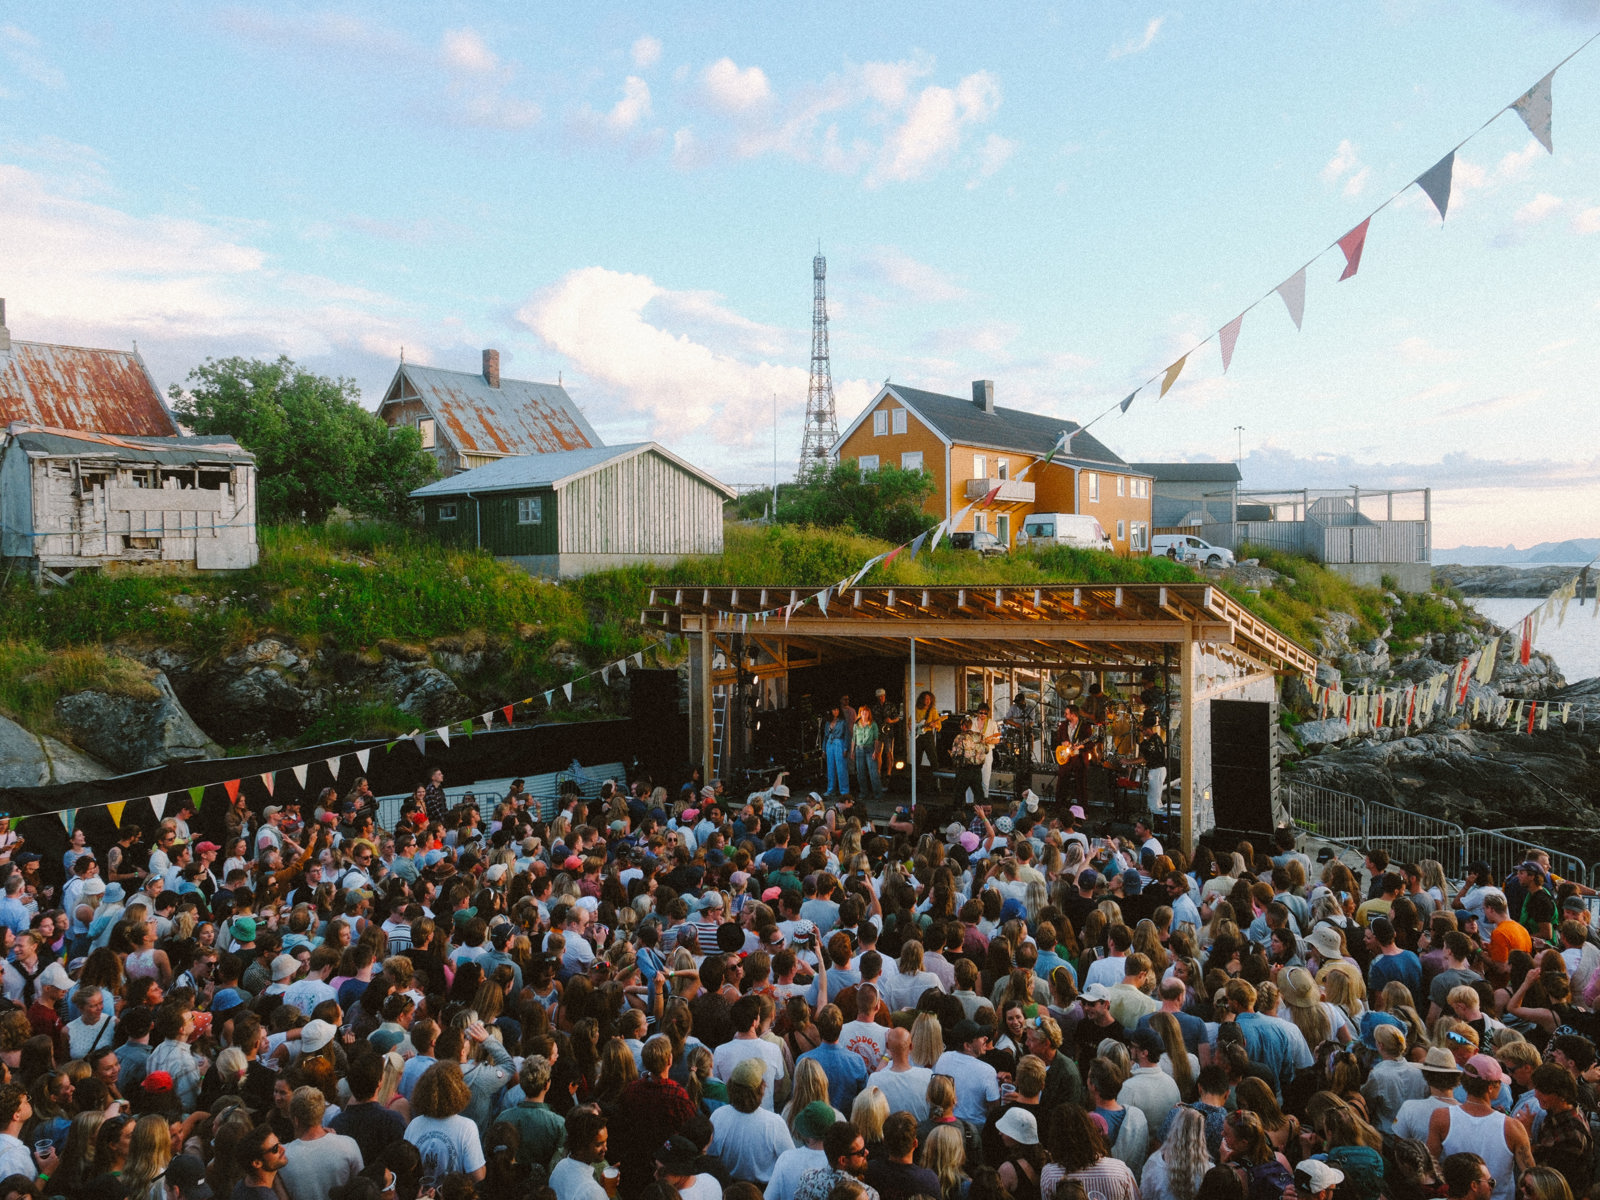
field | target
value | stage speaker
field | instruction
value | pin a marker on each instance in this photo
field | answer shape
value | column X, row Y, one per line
column 1244, row 765
column 660, row 726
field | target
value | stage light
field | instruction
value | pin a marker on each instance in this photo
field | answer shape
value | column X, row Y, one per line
column 900, row 766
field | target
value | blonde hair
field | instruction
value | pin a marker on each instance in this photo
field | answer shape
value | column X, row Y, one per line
column 946, row 1157
column 869, row 1112
column 810, row 1084
column 941, row 1096
column 927, row 1040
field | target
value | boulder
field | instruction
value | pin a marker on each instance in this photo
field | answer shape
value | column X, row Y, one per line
column 1323, row 733
column 132, row 735
column 431, row 696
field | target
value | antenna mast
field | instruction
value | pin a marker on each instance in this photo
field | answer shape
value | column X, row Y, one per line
column 822, row 424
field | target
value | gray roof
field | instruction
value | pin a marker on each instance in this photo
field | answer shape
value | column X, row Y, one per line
column 166, row 451
column 518, row 417
column 1196, row 472
column 962, row 421
column 523, row 472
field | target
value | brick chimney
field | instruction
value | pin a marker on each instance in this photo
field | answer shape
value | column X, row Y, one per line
column 983, row 394
column 491, row 368
column 5, row 334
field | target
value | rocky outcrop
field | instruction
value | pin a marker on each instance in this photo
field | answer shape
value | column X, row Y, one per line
column 1533, row 582
column 132, row 734
column 32, row 760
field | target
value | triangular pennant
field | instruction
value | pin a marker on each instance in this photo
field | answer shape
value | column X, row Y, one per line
column 822, row 600
column 362, row 757
column 1128, row 399
column 300, row 773
column 1533, row 106
column 1435, row 181
column 333, row 766
column 69, row 818
column 267, row 778
column 231, row 786
column 1227, row 336
column 196, row 794
column 1171, row 377
column 388, row 747
column 420, row 741
column 916, row 544
column 605, row 669
column 488, row 720
column 990, row 496
column 638, row 659
column 443, row 733
column 1293, row 291
column 115, row 808
column 567, row 688
column 1353, row 243
column 1063, row 442
column 622, row 663
column 158, row 804
column 549, row 698
column 892, row 555
column 507, row 710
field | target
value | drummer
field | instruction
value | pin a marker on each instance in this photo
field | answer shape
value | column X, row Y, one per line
column 1096, row 705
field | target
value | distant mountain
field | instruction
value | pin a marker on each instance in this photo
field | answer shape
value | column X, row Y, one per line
column 1572, row 550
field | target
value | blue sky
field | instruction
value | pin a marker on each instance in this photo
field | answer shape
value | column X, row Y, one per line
column 1060, row 198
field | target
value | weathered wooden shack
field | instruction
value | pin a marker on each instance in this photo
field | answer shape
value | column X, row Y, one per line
column 71, row 500
column 581, row 510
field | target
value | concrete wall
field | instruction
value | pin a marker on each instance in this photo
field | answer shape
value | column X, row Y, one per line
column 1409, row 577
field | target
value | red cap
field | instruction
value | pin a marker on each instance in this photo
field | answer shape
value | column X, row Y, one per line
column 157, row 1081
column 204, row 846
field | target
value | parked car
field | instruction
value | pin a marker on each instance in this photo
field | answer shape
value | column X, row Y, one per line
column 1063, row 529
column 1185, row 547
column 983, row 542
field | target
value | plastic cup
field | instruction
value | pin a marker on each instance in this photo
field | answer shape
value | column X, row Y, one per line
column 43, row 1147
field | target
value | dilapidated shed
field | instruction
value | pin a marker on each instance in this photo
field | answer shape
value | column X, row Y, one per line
column 71, row 500
column 581, row 510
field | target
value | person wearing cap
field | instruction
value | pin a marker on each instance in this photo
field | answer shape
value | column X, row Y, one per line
column 810, row 1124
column 846, row 1152
column 186, row 1179
column 747, row 1138
column 1442, row 1075
column 681, row 1166
column 1537, row 910
column 977, row 1083
column 1476, row 1127
column 1147, row 1087
column 50, row 989
column 1393, row 1079
column 1315, row 1179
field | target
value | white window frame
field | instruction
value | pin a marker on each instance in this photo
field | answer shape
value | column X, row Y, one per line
column 447, row 512
column 867, row 463
column 1091, row 480
column 980, row 466
column 1122, row 531
column 880, row 423
column 897, row 420
column 530, row 510
column 1122, row 484
column 911, row 460
column 427, row 430
column 1002, row 468
column 980, row 523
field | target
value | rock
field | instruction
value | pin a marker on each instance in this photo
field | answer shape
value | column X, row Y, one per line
column 432, row 697
column 132, row 735
column 261, row 699
column 1531, row 582
column 22, row 759
column 402, row 652
column 266, row 652
column 71, row 766
column 1313, row 734
column 1326, row 676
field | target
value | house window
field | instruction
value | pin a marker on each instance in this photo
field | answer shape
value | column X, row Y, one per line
column 980, row 467
column 1002, row 530
column 1122, row 530
column 1120, row 485
column 1002, row 468
column 530, row 510
column 425, row 428
column 1092, row 482
column 911, row 460
column 1141, row 534
column 899, row 420
column 980, row 523
column 868, row 463
column 447, row 512
column 880, row 423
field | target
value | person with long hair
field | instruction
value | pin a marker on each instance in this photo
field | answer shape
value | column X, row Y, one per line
column 149, row 1152
column 1282, row 1129
column 1176, row 1061
column 944, row 1153
column 810, row 1084
column 77, row 1156
column 1078, row 1154
column 868, row 1113
column 1546, row 1183
column 1175, row 1169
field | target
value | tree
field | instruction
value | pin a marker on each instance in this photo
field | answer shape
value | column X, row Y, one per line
column 315, row 446
column 886, row 503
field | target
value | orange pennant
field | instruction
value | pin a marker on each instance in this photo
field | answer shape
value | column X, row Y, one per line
column 1171, row 377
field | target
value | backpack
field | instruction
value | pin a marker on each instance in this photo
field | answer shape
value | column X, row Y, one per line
column 1270, row 1180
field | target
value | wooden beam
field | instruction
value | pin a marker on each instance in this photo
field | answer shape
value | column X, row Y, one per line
column 969, row 630
column 1187, row 705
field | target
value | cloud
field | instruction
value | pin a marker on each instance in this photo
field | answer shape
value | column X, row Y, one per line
column 734, row 90
column 934, row 126
column 21, row 48
column 995, row 152
column 1346, row 164
column 1138, row 44
column 646, row 52
column 625, row 115
column 1536, row 210
column 1274, row 466
column 1587, row 221
column 465, row 50
column 889, row 265
column 623, row 335
column 1515, row 164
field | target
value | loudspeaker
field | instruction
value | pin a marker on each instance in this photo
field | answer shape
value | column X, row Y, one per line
column 660, row 726
column 1243, row 764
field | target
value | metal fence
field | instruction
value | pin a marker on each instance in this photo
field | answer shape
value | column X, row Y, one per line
column 1503, row 850
column 544, row 789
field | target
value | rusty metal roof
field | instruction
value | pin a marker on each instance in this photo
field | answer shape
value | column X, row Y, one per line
column 518, row 417
column 42, row 441
column 79, row 388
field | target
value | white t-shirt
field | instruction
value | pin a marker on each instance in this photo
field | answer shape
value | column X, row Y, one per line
column 907, row 1090
column 573, row 1180
column 977, row 1084
column 312, row 1167
column 730, row 1054
column 792, row 1166
column 748, row 1143
column 447, row 1145
column 306, row 994
column 868, row 1039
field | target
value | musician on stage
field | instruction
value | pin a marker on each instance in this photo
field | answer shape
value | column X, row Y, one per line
column 1097, row 705
column 969, row 754
column 890, row 721
column 988, row 731
column 929, row 722
column 1072, row 740
column 1153, row 750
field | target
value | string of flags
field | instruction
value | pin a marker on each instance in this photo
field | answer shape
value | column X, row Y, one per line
column 1416, row 704
column 485, row 721
column 1534, row 107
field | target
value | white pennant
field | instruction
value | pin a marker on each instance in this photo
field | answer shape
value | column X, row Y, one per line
column 421, row 741
column 1486, row 663
column 300, row 774
column 443, row 733
column 158, row 801
column 567, row 688
column 362, row 756
column 1534, row 106
column 1293, row 291
column 487, row 719
column 549, row 698
column 638, row 660
column 605, row 671
column 267, row 780
column 622, row 665
column 1566, row 711
column 822, row 601
column 333, row 765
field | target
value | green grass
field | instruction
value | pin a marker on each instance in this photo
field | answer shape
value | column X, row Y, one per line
column 1316, row 590
column 33, row 678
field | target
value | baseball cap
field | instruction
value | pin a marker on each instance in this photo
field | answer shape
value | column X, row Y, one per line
column 781, row 790
column 1314, row 1175
column 202, row 847
column 1481, row 1066
column 1147, row 1040
column 964, row 1031
column 750, row 1072
column 55, row 975
column 771, row 894
column 188, row 1173
column 1096, row 993
column 495, row 873
column 272, row 810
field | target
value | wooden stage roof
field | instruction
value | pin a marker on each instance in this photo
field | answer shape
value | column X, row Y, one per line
column 1086, row 626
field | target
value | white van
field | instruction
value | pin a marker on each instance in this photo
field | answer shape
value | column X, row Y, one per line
column 1185, row 547
column 1063, row 529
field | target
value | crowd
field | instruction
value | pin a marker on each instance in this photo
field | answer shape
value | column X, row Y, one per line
column 667, row 995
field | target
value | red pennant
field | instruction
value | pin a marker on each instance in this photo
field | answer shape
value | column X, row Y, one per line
column 1228, row 337
column 1525, row 649
column 232, row 788
column 892, row 555
column 507, row 710
column 1532, row 708
column 1352, row 244
column 989, row 499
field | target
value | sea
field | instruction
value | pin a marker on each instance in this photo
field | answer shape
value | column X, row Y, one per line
column 1575, row 645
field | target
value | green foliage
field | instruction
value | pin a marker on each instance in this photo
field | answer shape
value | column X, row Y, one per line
column 316, row 448
column 33, row 677
column 1424, row 613
column 1315, row 590
column 886, row 503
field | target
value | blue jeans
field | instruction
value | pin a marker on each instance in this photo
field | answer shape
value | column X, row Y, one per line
column 838, row 776
column 867, row 771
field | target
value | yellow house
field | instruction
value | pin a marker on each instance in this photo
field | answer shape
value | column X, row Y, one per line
column 971, row 447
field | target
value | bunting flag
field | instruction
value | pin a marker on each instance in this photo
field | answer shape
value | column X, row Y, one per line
column 488, row 720
column 638, row 659
column 1475, row 701
column 1435, row 182
column 443, row 734
column 567, row 688
column 549, row 698
column 300, row 772
column 822, row 601
column 333, row 766
column 1128, row 399
column 1227, row 337
column 388, row 747
column 1525, row 643
column 1293, row 291
column 1532, row 710
column 1171, row 377
column 196, row 794
column 158, row 804
column 468, row 728
column 989, row 496
column 507, row 710
column 1486, row 660
column 1534, row 106
column 1063, row 443
column 267, row 778
column 115, row 809
column 362, row 757
column 1353, row 243
column 622, row 665
column 1544, row 717
column 1461, row 686
column 916, row 545
column 231, row 786
column 420, row 741
column 605, row 671
column 69, row 818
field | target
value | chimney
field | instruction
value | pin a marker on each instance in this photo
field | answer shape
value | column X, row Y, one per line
column 983, row 394
column 491, row 368
column 5, row 334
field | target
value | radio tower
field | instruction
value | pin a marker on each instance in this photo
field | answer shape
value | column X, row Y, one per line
column 822, row 425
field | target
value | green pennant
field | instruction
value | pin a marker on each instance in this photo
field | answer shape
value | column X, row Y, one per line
column 196, row 794
column 466, row 728
column 390, row 746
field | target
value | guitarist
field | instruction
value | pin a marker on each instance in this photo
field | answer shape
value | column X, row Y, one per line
column 1072, row 741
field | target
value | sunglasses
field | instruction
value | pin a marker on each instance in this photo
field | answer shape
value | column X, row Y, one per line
column 1460, row 1039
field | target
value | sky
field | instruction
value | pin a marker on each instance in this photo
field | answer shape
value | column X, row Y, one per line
column 1061, row 198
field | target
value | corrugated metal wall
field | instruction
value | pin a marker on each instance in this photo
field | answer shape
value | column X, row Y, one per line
column 642, row 505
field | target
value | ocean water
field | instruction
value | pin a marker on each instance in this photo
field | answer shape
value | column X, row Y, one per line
column 1575, row 645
